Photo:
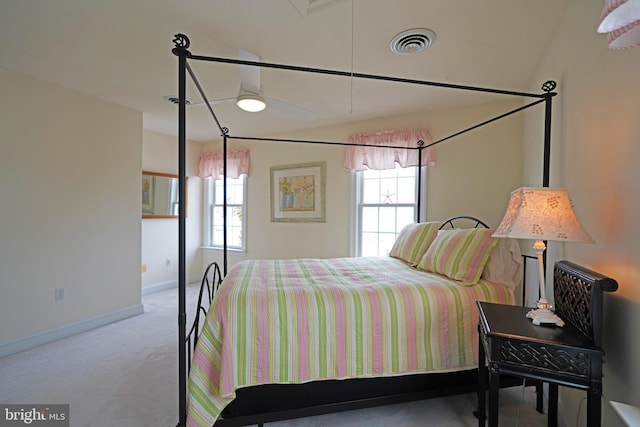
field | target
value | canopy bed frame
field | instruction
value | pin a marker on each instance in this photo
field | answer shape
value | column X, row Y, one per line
column 397, row 389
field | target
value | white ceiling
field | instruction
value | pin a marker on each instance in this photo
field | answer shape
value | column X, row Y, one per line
column 120, row 51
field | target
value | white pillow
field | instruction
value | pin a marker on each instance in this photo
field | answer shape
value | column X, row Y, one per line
column 504, row 265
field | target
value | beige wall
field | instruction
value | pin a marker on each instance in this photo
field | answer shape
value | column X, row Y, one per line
column 474, row 174
column 70, row 179
column 160, row 236
column 596, row 152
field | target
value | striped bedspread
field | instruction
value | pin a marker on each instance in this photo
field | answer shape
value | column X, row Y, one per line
column 300, row 320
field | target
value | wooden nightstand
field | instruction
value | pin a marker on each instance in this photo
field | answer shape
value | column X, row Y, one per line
column 570, row 356
column 558, row 356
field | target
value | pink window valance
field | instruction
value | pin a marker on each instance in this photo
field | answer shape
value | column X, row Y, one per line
column 362, row 157
column 211, row 164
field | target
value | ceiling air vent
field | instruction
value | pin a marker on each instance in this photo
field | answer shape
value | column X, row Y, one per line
column 413, row 41
column 175, row 100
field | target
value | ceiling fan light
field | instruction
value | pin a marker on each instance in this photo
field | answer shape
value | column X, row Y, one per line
column 251, row 102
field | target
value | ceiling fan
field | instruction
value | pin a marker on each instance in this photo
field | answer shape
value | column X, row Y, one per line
column 250, row 96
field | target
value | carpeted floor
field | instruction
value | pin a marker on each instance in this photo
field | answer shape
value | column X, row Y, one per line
column 125, row 375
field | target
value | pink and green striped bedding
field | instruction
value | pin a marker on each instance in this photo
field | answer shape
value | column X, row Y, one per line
column 301, row 320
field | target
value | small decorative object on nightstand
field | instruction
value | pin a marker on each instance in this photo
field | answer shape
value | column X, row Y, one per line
column 541, row 214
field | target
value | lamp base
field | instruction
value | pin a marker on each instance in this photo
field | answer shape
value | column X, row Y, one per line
column 544, row 316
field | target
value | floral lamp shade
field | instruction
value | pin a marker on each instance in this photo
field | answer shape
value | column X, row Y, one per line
column 541, row 214
column 620, row 19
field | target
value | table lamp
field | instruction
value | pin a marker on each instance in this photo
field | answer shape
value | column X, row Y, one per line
column 541, row 214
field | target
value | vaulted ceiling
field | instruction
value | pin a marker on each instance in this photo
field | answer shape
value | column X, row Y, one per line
column 120, row 51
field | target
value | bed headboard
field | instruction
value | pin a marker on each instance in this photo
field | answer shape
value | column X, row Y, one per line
column 578, row 297
column 462, row 221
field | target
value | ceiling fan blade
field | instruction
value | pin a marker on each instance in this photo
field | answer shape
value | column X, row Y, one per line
column 287, row 108
column 214, row 102
column 250, row 82
column 249, row 74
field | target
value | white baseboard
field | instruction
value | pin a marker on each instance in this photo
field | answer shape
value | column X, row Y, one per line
column 163, row 286
column 159, row 287
column 31, row 341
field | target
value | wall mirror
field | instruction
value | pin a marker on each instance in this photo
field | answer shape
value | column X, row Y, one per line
column 159, row 195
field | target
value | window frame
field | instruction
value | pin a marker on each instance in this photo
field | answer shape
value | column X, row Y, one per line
column 209, row 190
column 355, row 235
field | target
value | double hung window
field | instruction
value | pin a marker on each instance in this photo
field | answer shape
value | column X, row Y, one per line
column 386, row 201
column 236, row 213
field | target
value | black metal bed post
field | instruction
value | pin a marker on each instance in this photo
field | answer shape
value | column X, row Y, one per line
column 547, row 87
column 420, row 147
column 181, row 45
column 224, row 203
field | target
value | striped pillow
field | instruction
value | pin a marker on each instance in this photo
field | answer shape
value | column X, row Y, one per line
column 459, row 254
column 413, row 241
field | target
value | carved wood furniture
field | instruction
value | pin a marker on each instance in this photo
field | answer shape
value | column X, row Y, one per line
column 570, row 356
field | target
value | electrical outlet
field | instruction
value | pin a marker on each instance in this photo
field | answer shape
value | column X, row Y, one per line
column 59, row 294
column 144, row 268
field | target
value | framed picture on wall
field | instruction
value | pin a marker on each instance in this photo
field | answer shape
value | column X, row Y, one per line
column 298, row 192
column 148, row 182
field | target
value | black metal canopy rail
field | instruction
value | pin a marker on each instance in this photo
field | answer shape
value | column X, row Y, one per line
column 181, row 46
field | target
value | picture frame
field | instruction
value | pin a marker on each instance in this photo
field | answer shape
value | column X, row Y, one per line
column 298, row 192
column 148, row 182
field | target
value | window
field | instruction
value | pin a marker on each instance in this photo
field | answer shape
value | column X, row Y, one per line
column 236, row 209
column 385, row 201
